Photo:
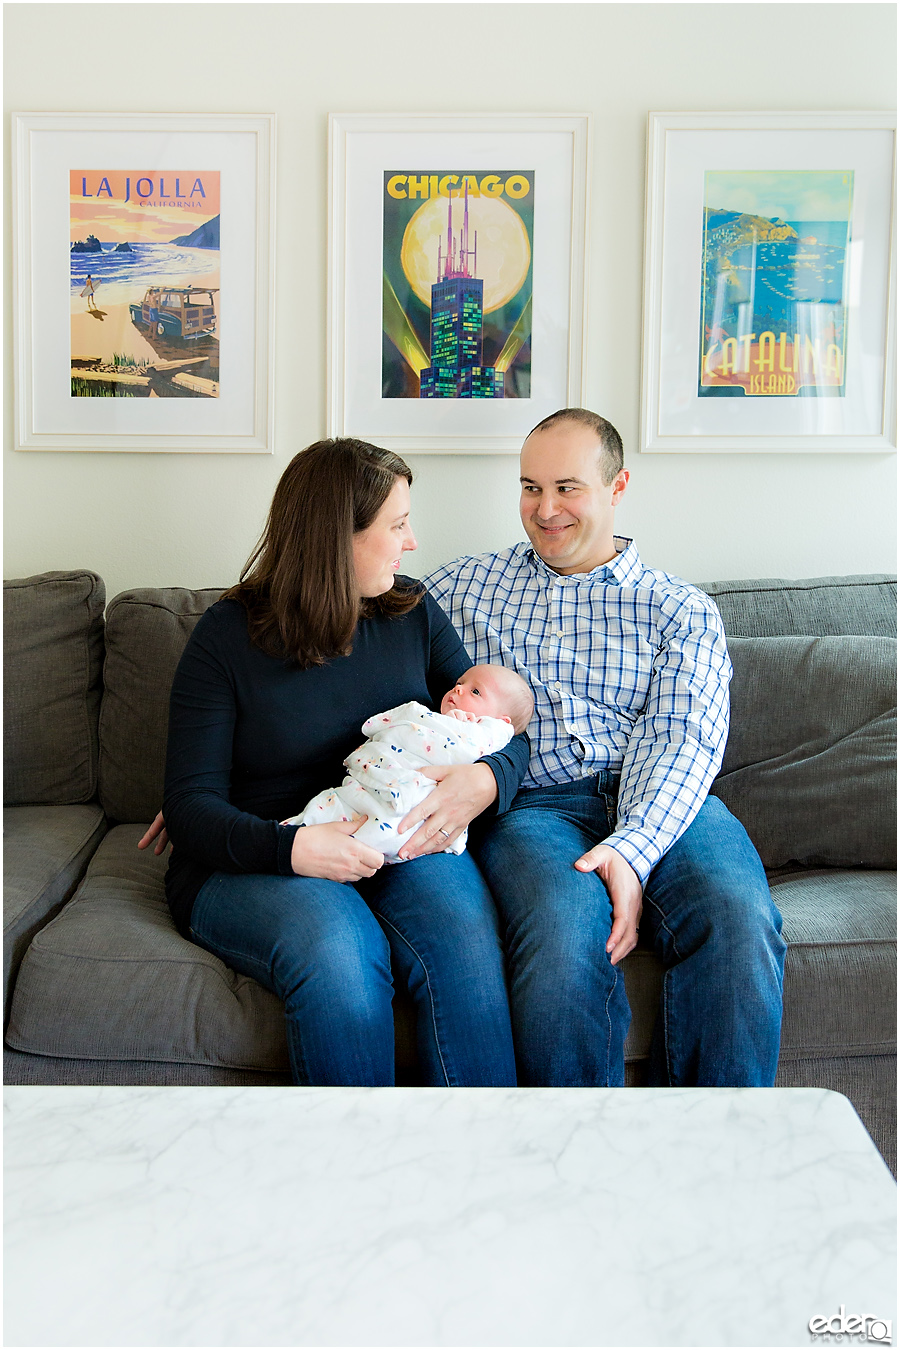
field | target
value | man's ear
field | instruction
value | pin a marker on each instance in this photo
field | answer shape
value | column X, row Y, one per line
column 619, row 484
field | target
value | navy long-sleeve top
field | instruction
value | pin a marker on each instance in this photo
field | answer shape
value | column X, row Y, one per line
column 252, row 737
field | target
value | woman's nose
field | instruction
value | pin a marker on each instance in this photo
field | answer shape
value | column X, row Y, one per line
column 410, row 543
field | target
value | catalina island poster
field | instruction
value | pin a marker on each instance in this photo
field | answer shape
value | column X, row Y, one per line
column 144, row 283
column 774, row 288
column 457, row 283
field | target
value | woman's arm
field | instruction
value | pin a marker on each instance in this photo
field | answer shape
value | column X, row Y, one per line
column 156, row 830
column 199, row 815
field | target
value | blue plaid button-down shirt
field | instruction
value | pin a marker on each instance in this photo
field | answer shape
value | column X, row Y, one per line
column 629, row 669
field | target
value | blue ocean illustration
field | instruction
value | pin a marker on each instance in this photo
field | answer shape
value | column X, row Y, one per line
column 779, row 274
column 125, row 276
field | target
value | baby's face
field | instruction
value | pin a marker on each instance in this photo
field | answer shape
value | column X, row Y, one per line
column 475, row 692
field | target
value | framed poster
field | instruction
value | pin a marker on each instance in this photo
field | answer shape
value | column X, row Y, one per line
column 143, row 302
column 456, row 296
column 769, row 283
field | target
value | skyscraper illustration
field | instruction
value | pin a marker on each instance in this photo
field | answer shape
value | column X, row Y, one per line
column 457, row 320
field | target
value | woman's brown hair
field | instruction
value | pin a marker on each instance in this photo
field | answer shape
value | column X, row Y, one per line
column 299, row 584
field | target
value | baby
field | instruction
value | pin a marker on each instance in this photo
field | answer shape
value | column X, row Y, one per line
column 483, row 710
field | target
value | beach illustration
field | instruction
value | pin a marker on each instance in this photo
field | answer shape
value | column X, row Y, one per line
column 144, row 292
column 457, row 283
column 775, row 283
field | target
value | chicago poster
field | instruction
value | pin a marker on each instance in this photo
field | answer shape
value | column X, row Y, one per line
column 457, row 283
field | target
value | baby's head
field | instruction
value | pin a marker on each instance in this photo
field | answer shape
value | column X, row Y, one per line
column 492, row 691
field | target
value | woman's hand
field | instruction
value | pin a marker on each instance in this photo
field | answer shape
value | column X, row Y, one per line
column 463, row 792
column 155, row 831
column 331, row 852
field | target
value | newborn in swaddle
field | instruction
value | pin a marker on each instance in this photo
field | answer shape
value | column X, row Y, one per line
column 482, row 711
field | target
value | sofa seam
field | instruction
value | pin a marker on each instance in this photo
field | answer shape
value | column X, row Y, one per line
column 844, row 942
column 143, row 960
column 72, row 856
column 96, row 1059
column 807, row 590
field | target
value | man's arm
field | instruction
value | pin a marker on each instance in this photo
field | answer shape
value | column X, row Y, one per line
column 673, row 754
column 677, row 744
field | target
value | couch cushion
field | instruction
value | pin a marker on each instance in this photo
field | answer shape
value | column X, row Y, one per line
column 146, row 631
column 810, row 765
column 52, row 663
column 840, row 972
column 110, row 978
column 818, row 606
column 45, row 852
column 840, row 980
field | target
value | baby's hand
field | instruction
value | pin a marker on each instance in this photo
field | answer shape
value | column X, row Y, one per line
column 462, row 716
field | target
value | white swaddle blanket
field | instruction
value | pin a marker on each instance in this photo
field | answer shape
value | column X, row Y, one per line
column 383, row 781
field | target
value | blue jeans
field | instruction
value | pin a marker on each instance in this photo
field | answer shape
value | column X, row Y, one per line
column 707, row 913
column 326, row 948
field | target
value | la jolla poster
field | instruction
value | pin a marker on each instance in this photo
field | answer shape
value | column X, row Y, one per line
column 144, row 283
column 774, row 287
column 457, row 283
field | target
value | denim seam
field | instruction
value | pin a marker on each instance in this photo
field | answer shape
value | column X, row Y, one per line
column 420, row 959
column 228, row 951
column 665, row 1002
column 664, row 925
column 613, row 988
column 665, row 988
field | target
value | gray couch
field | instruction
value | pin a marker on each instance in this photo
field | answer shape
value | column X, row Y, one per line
column 100, row 988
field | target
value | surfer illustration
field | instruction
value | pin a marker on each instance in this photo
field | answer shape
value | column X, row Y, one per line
column 90, row 287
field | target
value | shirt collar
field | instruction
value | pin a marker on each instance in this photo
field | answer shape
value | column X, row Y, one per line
column 621, row 570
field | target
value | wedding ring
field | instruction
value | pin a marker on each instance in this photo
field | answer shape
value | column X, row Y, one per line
column 445, row 833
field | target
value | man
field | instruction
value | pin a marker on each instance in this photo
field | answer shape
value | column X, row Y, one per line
column 630, row 672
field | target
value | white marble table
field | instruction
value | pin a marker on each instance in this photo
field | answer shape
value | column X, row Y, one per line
column 411, row 1216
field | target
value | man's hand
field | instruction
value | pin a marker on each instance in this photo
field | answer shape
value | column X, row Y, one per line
column 330, row 851
column 155, row 831
column 624, row 887
column 463, row 792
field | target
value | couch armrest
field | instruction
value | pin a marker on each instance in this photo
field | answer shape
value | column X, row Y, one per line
column 46, row 850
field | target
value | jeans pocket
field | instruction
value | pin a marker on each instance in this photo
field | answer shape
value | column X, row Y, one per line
column 609, row 803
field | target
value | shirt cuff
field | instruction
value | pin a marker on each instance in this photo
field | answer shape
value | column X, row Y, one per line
column 639, row 849
column 285, row 845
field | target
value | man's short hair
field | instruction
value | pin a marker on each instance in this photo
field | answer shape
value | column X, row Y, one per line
column 613, row 458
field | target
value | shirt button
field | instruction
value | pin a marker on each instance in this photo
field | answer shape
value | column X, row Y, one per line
column 558, row 687
column 559, row 632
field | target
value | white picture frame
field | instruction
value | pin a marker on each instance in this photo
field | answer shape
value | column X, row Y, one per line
column 47, row 148
column 682, row 149
column 362, row 149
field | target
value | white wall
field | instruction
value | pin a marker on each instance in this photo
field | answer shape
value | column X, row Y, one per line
column 163, row 519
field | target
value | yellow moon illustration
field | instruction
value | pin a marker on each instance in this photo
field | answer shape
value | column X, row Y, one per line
column 503, row 249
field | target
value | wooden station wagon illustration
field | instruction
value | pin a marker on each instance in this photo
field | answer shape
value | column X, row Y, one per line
column 178, row 312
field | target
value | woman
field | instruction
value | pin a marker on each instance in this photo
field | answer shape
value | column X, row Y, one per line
column 268, row 699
